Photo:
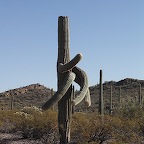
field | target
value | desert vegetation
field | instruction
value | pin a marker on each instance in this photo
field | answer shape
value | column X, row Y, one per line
column 126, row 126
column 115, row 116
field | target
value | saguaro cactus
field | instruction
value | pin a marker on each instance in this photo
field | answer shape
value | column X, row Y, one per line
column 67, row 72
column 110, row 112
column 120, row 97
column 140, row 96
column 52, row 93
column 101, row 103
column 12, row 100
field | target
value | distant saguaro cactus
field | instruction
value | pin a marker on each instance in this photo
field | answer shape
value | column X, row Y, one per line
column 110, row 111
column 67, row 72
column 12, row 100
column 120, row 97
column 101, row 103
column 52, row 93
column 140, row 96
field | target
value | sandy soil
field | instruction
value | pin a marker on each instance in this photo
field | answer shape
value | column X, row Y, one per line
column 6, row 138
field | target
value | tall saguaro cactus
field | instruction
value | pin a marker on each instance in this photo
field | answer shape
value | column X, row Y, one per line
column 101, row 103
column 64, row 105
column 67, row 72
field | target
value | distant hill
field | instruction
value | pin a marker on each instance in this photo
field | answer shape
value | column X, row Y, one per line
column 129, row 93
column 30, row 95
column 37, row 95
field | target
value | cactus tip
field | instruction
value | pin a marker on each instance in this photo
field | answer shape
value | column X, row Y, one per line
column 80, row 55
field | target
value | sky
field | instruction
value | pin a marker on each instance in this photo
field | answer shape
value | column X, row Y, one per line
column 108, row 33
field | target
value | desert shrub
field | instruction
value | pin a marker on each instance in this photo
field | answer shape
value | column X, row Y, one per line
column 32, row 124
column 6, row 118
column 36, row 124
column 126, row 131
column 80, row 127
column 101, row 129
column 130, row 113
column 89, row 128
column 140, row 125
column 31, row 110
column 1, row 123
column 85, row 127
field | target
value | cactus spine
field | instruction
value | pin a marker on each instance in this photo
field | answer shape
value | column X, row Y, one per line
column 101, row 103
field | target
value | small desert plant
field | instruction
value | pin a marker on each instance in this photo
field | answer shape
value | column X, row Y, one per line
column 31, row 110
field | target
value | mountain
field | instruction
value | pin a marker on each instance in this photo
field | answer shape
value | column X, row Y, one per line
column 37, row 95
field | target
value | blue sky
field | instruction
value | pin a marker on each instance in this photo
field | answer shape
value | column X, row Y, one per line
column 109, row 34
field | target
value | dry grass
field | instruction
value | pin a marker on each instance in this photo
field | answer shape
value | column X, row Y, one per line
column 42, row 127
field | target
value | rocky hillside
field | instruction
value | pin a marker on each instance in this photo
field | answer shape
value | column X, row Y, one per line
column 36, row 95
column 30, row 95
column 128, row 89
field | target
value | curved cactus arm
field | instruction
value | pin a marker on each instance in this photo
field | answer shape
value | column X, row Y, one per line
column 87, row 98
column 82, row 80
column 61, row 92
column 65, row 67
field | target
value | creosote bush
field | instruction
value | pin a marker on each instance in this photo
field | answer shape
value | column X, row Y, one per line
column 36, row 124
column 88, row 128
column 32, row 124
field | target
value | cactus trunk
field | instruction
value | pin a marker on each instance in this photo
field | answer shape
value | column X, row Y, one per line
column 140, row 97
column 12, row 101
column 101, row 104
column 120, row 97
column 67, row 73
column 52, row 93
column 64, row 105
column 110, row 112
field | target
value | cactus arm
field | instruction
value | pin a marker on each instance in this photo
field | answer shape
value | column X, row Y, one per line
column 87, row 98
column 66, row 67
column 82, row 80
column 61, row 92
